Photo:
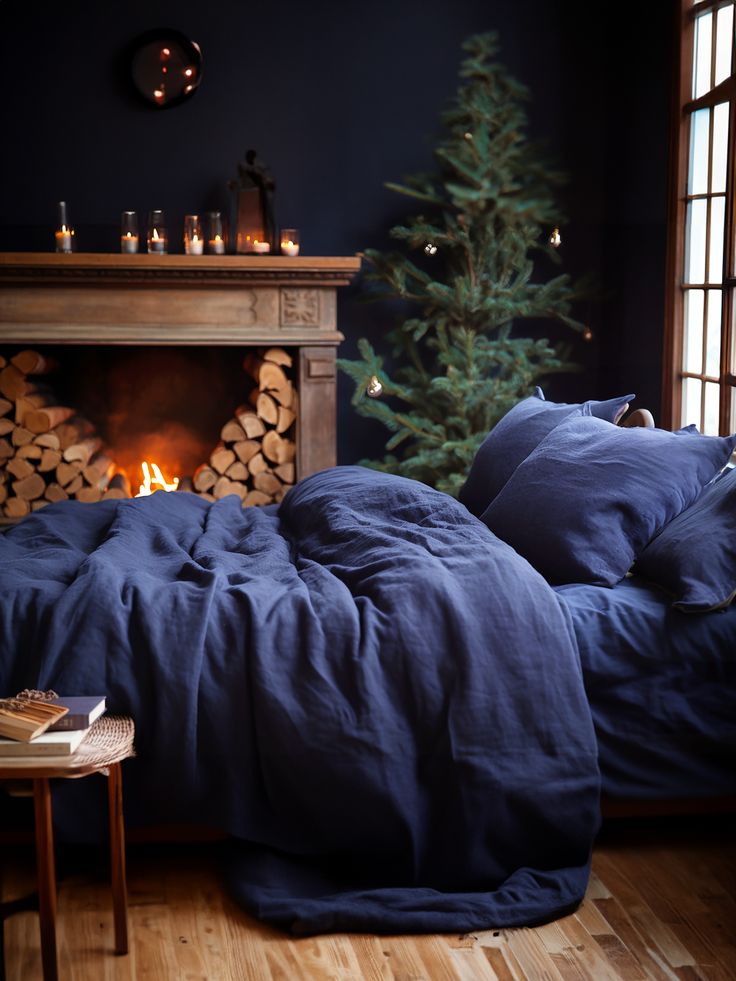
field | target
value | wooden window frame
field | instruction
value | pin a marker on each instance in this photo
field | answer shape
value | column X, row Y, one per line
column 683, row 108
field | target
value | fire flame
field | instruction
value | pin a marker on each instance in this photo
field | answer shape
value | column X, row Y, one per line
column 155, row 482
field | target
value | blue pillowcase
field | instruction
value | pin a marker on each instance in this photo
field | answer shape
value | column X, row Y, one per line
column 592, row 495
column 695, row 556
column 514, row 437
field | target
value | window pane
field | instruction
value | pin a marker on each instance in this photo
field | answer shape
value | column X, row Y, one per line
column 710, row 425
column 715, row 258
column 699, row 136
column 713, row 349
column 692, row 349
column 702, row 59
column 691, row 390
column 695, row 242
column 720, row 148
column 724, row 43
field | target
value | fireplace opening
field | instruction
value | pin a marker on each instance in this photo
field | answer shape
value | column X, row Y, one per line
column 106, row 421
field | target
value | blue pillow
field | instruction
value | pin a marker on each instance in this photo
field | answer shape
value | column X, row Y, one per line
column 592, row 495
column 514, row 437
column 695, row 556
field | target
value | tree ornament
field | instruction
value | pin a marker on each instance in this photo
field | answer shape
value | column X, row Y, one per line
column 555, row 239
column 374, row 388
column 430, row 248
column 468, row 136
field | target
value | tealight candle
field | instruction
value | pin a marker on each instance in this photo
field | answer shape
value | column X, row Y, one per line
column 216, row 246
column 290, row 241
column 194, row 246
column 63, row 240
column 157, row 239
column 261, row 247
column 156, row 242
column 129, row 243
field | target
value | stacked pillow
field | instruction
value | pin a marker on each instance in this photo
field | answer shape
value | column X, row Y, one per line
column 694, row 557
column 514, row 437
column 584, row 499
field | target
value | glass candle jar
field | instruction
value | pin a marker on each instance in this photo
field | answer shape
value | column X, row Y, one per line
column 193, row 239
column 290, row 241
column 157, row 239
column 215, row 233
column 129, row 232
column 64, row 234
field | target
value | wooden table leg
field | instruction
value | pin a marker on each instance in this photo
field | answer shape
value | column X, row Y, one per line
column 46, row 873
column 117, row 858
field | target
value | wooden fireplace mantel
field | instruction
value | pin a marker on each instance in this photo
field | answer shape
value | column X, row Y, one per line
column 112, row 299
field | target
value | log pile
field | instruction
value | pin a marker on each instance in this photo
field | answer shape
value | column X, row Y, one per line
column 255, row 456
column 47, row 452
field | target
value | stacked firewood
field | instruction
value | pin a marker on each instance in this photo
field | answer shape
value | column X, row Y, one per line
column 255, row 458
column 47, row 452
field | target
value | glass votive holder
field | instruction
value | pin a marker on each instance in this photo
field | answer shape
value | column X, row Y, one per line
column 215, row 233
column 129, row 232
column 64, row 234
column 193, row 238
column 157, row 239
column 289, row 241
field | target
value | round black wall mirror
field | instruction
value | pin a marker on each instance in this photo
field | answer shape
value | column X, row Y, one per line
column 166, row 67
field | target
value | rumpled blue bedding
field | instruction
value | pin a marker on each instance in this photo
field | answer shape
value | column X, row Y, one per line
column 380, row 698
column 662, row 689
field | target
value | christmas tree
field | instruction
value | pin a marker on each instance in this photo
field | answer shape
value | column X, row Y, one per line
column 459, row 360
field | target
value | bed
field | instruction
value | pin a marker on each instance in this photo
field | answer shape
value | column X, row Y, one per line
column 401, row 715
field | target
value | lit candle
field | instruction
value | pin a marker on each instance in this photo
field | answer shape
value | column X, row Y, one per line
column 194, row 245
column 289, row 248
column 156, row 243
column 129, row 242
column 216, row 246
column 64, row 239
column 261, row 247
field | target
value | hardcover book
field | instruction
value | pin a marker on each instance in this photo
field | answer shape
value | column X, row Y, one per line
column 83, row 710
column 47, row 744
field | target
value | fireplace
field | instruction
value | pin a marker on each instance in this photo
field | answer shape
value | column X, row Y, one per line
column 220, row 370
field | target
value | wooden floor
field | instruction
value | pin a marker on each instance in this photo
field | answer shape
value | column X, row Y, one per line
column 661, row 905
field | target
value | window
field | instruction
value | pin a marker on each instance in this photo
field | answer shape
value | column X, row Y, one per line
column 699, row 372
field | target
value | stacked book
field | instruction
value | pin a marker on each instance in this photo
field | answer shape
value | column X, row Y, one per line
column 31, row 728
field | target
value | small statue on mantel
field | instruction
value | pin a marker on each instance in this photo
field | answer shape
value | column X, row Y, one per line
column 254, row 190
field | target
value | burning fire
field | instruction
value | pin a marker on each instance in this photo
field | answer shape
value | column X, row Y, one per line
column 155, row 481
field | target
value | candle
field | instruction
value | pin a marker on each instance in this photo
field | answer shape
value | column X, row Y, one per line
column 63, row 240
column 129, row 243
column 156, row 243
column 261, row 247
column 216, row 246
column 289, row 248
column 193, row 245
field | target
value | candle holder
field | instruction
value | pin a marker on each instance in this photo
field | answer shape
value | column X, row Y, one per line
column 64, row 234
column 157, row 239
column 129, row 232
column 290, row 241
column 193, row 240
column 215, row 233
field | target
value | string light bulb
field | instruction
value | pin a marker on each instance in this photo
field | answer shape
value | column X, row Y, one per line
column 555, row 239
column 374, row 387
column 430, row 248
column 587, row 334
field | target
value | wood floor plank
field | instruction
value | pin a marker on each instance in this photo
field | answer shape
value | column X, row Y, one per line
column 658, row 909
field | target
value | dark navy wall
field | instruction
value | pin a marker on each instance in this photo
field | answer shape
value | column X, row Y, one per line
column 338, row 97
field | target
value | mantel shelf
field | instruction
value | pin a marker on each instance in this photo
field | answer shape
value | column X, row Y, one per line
column 161, row 270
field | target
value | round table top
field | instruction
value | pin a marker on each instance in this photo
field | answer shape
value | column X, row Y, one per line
column 109, row 740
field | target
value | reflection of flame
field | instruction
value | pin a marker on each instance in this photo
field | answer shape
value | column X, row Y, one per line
column 155, row 482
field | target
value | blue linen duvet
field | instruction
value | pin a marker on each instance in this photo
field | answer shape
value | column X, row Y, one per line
column 379, row 697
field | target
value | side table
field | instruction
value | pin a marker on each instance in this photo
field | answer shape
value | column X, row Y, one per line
column 108, row 743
